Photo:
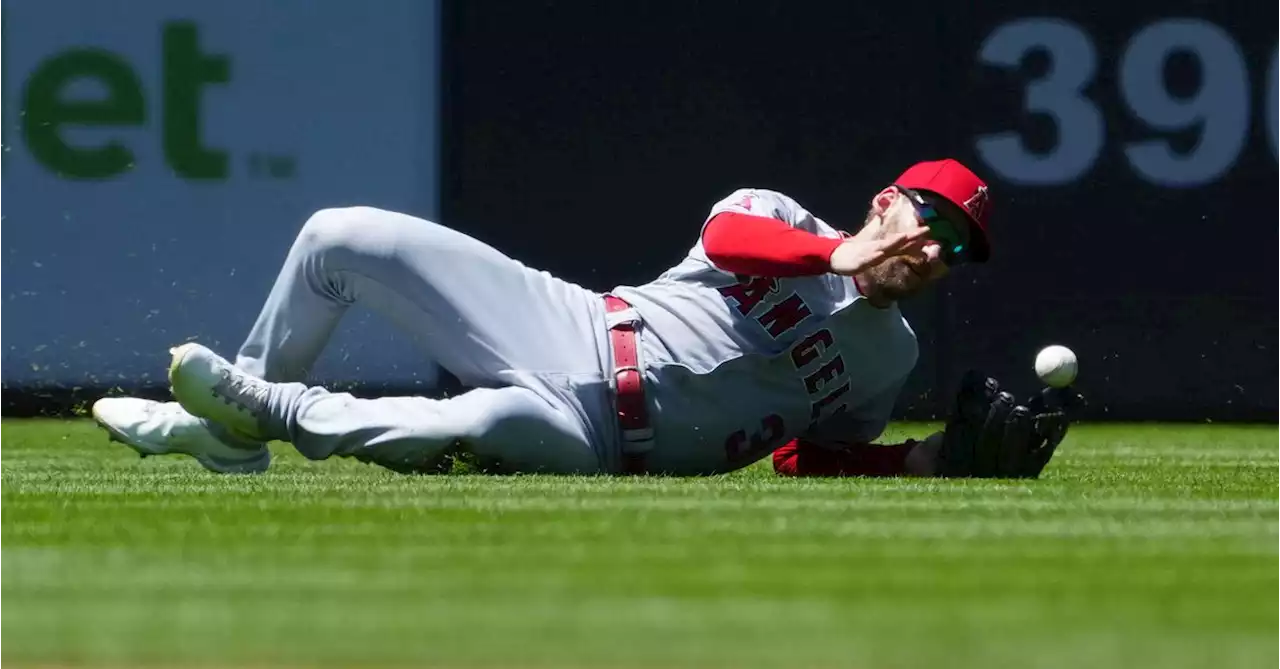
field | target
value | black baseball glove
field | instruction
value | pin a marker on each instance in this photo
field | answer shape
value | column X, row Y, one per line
column 990, row 435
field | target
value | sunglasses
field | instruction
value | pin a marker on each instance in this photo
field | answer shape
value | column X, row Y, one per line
column 954, row 239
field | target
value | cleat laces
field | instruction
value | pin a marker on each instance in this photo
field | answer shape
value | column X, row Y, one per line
column 242, row 391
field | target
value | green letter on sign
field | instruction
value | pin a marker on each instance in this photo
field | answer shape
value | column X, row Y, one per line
column 45, row 111
column 185, row 72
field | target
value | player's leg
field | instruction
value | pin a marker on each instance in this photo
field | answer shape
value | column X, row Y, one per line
column 511, row 425
column 485, row 317
column 478, row 312
column 514, row 425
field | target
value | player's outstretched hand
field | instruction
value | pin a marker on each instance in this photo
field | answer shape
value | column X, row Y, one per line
column 865, row 250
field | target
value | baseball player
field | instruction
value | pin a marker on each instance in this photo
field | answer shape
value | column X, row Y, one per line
column 776, row 332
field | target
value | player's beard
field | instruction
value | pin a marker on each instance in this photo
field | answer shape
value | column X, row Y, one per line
column 896, row 278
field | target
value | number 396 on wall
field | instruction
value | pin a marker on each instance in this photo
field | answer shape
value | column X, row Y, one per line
column 1219, row 109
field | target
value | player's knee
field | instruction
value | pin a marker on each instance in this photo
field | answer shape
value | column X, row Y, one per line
column 329, row 229
column 364, row 231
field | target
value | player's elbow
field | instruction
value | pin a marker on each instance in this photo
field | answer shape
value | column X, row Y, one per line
column 717, row 237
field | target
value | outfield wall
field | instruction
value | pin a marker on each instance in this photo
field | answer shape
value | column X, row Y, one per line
column 1131, row 149
column 161, row 154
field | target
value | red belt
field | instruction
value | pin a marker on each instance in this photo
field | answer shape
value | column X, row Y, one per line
column 633, row 413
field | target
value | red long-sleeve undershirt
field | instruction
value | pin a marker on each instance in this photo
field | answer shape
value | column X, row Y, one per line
column 801, row 458
column 761, row 246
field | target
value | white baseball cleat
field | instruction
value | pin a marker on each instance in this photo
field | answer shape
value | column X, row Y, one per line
column 209, row 386
column 160, row 428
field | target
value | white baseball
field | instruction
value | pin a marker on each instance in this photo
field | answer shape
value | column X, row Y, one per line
column 1056, row 366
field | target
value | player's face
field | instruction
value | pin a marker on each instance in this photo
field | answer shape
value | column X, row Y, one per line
column 903, row 275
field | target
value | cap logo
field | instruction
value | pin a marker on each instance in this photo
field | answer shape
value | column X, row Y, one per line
column 976, row 204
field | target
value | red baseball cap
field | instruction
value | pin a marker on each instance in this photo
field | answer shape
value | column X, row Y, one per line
column 958, row 185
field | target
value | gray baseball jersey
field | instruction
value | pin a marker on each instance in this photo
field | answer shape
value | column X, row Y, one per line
column 739, row 365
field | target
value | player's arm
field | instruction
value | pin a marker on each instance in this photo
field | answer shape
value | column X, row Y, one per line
column 844, row 445
column 805, row 457
column 759, row 235
column 764, row 246
column 987, row 435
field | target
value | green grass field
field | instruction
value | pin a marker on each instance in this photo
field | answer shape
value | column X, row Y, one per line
column 1143, row 546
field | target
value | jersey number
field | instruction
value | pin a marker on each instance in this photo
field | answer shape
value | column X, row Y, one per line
column 741, row 446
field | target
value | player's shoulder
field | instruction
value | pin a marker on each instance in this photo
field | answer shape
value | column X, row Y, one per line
column 761, row 202
column 758, row 192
